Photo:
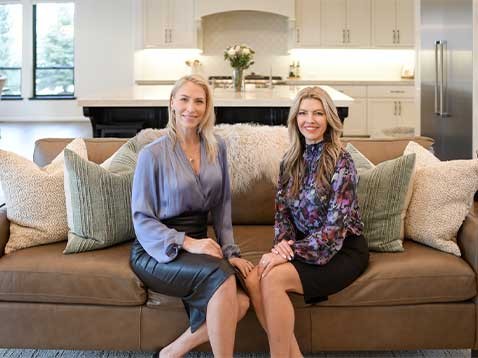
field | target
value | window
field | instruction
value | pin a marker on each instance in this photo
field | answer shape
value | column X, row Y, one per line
column 53, row 50
column 11, row 48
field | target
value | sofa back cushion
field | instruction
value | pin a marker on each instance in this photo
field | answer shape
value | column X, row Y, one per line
column 255, row 205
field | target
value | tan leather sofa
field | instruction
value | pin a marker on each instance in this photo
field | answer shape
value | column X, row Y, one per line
column 419, row 299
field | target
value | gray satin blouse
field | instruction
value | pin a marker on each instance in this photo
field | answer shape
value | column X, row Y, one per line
column 166, row 186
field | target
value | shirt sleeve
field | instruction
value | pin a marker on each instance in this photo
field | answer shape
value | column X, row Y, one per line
column 159, row 241
column 320, row 246
column 283, row 227
column 221, row 213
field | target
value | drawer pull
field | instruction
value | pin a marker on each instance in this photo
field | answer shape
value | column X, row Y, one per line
column 397, row 91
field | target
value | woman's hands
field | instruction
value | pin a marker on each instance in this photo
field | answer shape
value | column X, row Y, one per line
column 280, row 254
column 284, row 249
column 268, row 261
column 205, row 246
column 244, row 266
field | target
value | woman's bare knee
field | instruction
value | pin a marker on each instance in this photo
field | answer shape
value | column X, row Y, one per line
column 253, row 284
column 243, row 304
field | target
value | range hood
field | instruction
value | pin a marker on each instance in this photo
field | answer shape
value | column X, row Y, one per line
column 280, row 7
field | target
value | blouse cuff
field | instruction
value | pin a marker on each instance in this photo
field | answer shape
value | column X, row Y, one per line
column 231, row 250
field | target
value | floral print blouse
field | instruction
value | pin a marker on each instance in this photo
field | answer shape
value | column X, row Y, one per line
column 324, row 217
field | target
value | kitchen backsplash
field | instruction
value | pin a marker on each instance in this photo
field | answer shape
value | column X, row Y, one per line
column 267, row 34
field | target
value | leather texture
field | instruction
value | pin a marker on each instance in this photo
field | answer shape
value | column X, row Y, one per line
column 4, row 229
column 45, row 274
column 69, row 326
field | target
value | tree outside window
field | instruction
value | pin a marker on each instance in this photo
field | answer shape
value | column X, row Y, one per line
column 54, row 50
column 11, row 48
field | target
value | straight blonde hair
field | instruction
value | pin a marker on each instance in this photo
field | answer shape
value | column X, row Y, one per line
column 293, row 163
column 206, row 127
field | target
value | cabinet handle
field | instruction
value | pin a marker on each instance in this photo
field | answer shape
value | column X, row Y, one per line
column 170, row 35
column 394, row 37
column 343, row 35
column 394, row 108
column 165, row 35
column 400, row 108
column 397, row 91
column 398, row 36
column 297, row 35
column 348, row 36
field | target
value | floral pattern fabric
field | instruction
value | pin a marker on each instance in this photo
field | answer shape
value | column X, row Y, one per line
column 323, row 217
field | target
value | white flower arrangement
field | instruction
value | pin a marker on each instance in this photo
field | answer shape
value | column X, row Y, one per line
column 239, row 56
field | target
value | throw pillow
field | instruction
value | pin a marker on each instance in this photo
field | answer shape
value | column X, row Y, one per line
column 99, row 200
column 384, row 193
column 442, row 197
column 424, row 156
column 361, row 161
column 35, row 199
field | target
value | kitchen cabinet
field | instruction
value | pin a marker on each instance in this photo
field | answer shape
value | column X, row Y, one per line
column 169, row 24
column 356, row 122
column 391, row 109
column 393, row 23
column 346, row 23
column 307, row 26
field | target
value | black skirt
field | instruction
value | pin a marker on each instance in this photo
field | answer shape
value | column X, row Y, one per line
column 192, row 277
column 344, row 268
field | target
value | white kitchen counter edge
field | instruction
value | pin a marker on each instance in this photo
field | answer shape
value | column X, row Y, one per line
column 158, row 96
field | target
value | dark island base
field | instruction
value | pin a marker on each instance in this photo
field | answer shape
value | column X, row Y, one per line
column 125, row 122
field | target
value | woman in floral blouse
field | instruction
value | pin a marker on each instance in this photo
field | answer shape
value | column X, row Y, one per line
column 318, row 244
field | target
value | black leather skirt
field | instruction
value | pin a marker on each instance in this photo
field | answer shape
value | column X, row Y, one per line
column 192, row 277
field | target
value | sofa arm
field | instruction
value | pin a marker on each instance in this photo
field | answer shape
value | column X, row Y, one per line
column 468, row 239
column 4, row 229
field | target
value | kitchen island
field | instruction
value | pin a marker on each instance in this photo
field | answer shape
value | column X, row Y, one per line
column 124, row 113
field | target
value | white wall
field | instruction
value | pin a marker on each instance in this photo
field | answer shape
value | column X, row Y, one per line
column 103, row 60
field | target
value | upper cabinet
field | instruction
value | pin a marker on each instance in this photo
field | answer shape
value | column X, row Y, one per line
column 345, row 23
column 169, row 24
column 307, row 29
column 393, row 23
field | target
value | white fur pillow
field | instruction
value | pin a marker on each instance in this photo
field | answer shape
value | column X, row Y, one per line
column 442, row 197
column 35, row 198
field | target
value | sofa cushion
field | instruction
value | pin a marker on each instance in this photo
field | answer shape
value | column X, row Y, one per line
column 99, row 215
column 442, row 197
column 44, row 274
column 418, row 275
column 35, row 198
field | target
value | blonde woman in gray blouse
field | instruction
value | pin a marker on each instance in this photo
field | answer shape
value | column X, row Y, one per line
column 180, row 179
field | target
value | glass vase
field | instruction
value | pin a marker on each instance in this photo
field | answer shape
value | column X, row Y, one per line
column 238, row 79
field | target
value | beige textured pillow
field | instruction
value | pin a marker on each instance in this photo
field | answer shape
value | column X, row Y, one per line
column 442, row 197
column 35, row 198
column 423, row 156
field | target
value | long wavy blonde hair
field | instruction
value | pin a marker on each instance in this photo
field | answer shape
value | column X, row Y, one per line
column 206, row 126
column 293, row 163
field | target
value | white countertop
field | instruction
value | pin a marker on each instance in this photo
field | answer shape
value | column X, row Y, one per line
column 158, row 96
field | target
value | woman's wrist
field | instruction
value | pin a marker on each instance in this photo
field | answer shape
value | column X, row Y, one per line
column 187, row 242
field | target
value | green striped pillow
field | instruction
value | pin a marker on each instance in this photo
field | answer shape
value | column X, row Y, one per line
column 384, row 193
column 99, row 200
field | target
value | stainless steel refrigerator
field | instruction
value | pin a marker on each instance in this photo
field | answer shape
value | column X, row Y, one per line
column 446, row 76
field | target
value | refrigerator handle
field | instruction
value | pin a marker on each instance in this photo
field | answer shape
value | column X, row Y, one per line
column 436, row 76
column 443, row 84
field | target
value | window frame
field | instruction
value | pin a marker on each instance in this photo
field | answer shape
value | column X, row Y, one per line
column 36, row 96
